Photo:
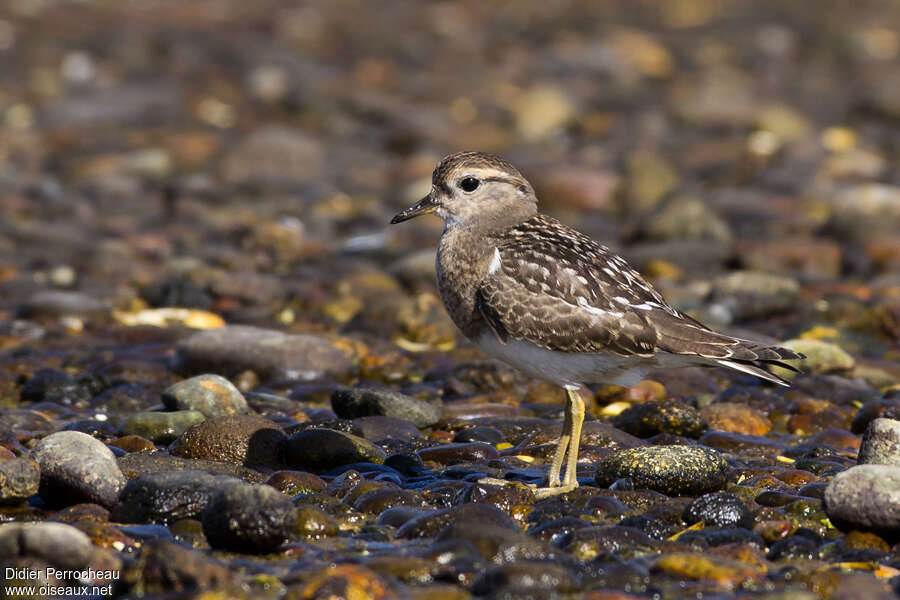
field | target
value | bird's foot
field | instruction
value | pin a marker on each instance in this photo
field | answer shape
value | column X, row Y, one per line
column 539, row 492
column 548, row 492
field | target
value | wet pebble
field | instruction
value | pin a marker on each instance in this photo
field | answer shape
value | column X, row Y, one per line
column 447, row 454
column 135, row 464
column 59, row 303
column 212, row 395
column 430, row 524
column 647, row 419
column 249, row 518
column 161, row 427
column 320, row 450
column 673, row 470
column 235, row 348
column 77, row 468
column 19, row 479
column 365, row 402
column 480, row 433
column 168, row 496
column 717, row 510
column 736, row 418
column 240, row 439
column 881, row 443
column 164, row 565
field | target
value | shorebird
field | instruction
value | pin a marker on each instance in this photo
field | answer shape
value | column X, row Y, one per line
column 553, row 302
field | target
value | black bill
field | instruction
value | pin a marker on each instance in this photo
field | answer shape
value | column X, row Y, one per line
column 423, row 207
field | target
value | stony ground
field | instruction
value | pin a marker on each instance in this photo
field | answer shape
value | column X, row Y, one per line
column 221, row 372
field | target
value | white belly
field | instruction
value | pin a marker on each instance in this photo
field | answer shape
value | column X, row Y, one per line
column 570, row 369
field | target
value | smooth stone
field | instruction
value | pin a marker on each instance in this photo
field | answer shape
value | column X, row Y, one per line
column 749, row 294
column 527, row 578
column 397, row 516
column 736, row 418
column 59, row 544
column 880, row 443
column 320, row 450
column 164, row 566
column 268, row 353
column 627, row 542
column 495, row 543
column 717, row 510
column 59, row 303
column 212, row 395
column 672, row 470
column 136, row 464
column 647, row 419
column 431, row 524
column 480, row 433
column 240, row 439
column 77, row 468
column 367, row 402
column 19, row 480
column 821, row 357
column 865, row 497
column 296, row 482
column 168, row 496
column 161, row 427
column 249, row 519
column 453, row 453
column 379, row 500
column 386, row 428
column 50, row 385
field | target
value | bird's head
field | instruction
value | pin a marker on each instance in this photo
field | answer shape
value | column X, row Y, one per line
column 475, row 187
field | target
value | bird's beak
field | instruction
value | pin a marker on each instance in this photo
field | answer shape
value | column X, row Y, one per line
column 423, row 207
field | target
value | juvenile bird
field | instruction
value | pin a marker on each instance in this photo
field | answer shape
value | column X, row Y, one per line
column 554, row 303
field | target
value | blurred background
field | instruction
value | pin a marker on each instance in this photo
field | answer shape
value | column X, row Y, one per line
column 245, row 157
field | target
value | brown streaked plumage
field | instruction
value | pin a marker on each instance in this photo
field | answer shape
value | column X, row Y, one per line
column 555, row 303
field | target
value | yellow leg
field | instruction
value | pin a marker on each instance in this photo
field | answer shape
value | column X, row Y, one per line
column 569, row 441
column 576, row 407
column 559, row 455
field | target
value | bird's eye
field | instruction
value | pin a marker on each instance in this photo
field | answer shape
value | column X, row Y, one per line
column 469, row 184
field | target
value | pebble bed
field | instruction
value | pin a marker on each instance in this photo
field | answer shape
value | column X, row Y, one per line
column 223, row 375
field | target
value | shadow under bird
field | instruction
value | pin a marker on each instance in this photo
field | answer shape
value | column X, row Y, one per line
column 554, row 303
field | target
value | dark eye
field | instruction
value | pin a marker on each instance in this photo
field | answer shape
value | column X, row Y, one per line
column 469, row 184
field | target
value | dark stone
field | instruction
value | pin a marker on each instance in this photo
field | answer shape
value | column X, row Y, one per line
column 58, row 544
column 161, row 427
column 376, row 429
column 240, row 439
column 673, row 470
column 168, row 496
column 135, row 464
column 646, row 419
column 164, row 567
column 717, row 510
column 792, row 548
column 624, row 542
column 429, row 525
column 479, row 433
column 448, row 454
column 495, row 543
column 525, row 579
column 320, row 450
column 887, row 408
column 249, row 518
column 367, row 402
column 50, row 385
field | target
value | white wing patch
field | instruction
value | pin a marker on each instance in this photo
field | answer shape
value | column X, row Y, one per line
column 495, row 262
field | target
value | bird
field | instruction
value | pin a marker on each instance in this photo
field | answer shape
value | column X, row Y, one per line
column 554, row 303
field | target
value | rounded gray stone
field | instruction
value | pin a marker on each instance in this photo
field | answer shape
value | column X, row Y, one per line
column 865, row 497
column 161, row 427
column 59, row 544
column 880, row 443
column 269, row 353
column 77, row 468
column 210, row 394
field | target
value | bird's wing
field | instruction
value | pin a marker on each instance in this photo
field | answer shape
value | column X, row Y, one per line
column 559, row 289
